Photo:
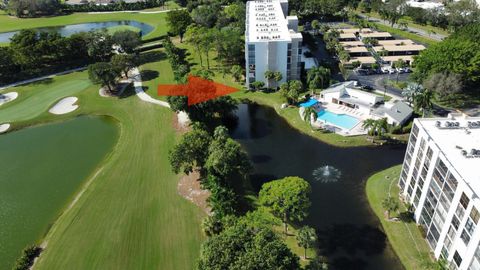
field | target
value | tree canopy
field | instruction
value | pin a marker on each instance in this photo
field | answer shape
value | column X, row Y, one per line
column 458, row 54
column 288, row 198
column 242, row 247
column 178, row 21
column 191, row 152
column 128, row 40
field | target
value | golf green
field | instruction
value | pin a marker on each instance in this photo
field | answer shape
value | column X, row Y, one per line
column 36, row 98
column 42, row 168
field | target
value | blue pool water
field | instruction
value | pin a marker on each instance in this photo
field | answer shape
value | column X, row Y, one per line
column 309, row 103
column 339, row 120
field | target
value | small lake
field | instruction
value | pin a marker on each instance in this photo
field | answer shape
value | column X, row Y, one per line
column 68, row 30
column 350, row 234
column 42, row 168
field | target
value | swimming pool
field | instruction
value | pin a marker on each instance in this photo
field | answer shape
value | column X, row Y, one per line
column 309, row 103
column 340, row 120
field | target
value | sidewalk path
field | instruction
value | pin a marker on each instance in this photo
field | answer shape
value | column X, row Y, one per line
column 41, row 78
column 420, row 32
column 137, row 83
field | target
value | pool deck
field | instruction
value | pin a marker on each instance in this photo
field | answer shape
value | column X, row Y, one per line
column 339, row 109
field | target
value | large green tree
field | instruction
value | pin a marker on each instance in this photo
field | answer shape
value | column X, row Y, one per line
column 191, row 152
column 102, row 73
column 288, row 198
column 123, row 63
column 243, row 247
column 178, row 21
column 459, row 54
column 226, row 156
column 128, row 40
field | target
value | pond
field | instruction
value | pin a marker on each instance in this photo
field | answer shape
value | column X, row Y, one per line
column 68, row 30
column 350, row 234
column 42, row 169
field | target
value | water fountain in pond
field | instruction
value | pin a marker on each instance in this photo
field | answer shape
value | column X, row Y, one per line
column 326, row 174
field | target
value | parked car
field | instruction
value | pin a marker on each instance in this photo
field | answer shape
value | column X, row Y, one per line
column 367, row 88
column 391, row 70
column 400, row 70
column 408, row 70
column 384, row 70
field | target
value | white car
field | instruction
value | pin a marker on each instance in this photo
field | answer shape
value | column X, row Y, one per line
column 400, row 70
column 391, row 70
column 384, row 70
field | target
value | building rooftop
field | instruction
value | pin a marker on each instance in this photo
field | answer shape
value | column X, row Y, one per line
column 398, row 110
column 347, row 35
column 375, row 34
column 266, row 22
column 356, row 43
column 395, row 42
column 456, row 143
column 355, row 49
column 398, row 57
column 363, row 59
column 353, row 30
column 400, row 48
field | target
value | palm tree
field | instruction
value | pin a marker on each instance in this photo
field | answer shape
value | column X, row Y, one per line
column 390, row 205
column 370, row 126
column 269, row 75
column 344, row 71
column 277, row 76
column 411, row 91
column 381, row 126
column 306, row 238
column 308, row 113
column 315, row 26
column 423, row 101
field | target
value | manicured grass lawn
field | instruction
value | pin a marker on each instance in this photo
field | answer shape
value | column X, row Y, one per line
column 157, row 20
column 130, row 215
column 413, row 24
column 36, row 98
column 405, row 238
column 405, row 34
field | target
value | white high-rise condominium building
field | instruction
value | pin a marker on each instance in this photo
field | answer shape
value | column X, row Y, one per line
column 440, row 178
column 271, row 42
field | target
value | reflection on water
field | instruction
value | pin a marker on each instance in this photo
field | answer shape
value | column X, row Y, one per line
column 326, row 174
column 349, row 232
column 68, row 30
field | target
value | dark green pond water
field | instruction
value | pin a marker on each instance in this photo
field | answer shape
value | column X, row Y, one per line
column 41, row 170
column 350, row 234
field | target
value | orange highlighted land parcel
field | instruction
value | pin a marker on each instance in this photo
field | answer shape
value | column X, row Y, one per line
column 196, row 89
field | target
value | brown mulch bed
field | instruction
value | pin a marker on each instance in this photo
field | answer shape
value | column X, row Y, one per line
column 189, row 188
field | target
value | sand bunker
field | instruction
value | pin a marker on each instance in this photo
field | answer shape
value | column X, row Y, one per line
column 4, row 127
column 4, row 98
column 64, row 106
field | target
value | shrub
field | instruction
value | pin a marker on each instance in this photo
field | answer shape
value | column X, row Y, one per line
column 28, row 256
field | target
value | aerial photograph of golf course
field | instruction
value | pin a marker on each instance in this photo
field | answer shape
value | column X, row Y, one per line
column 155, row 134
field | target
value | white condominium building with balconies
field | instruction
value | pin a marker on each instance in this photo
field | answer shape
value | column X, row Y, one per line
column 440, row 178
column 272, row 42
